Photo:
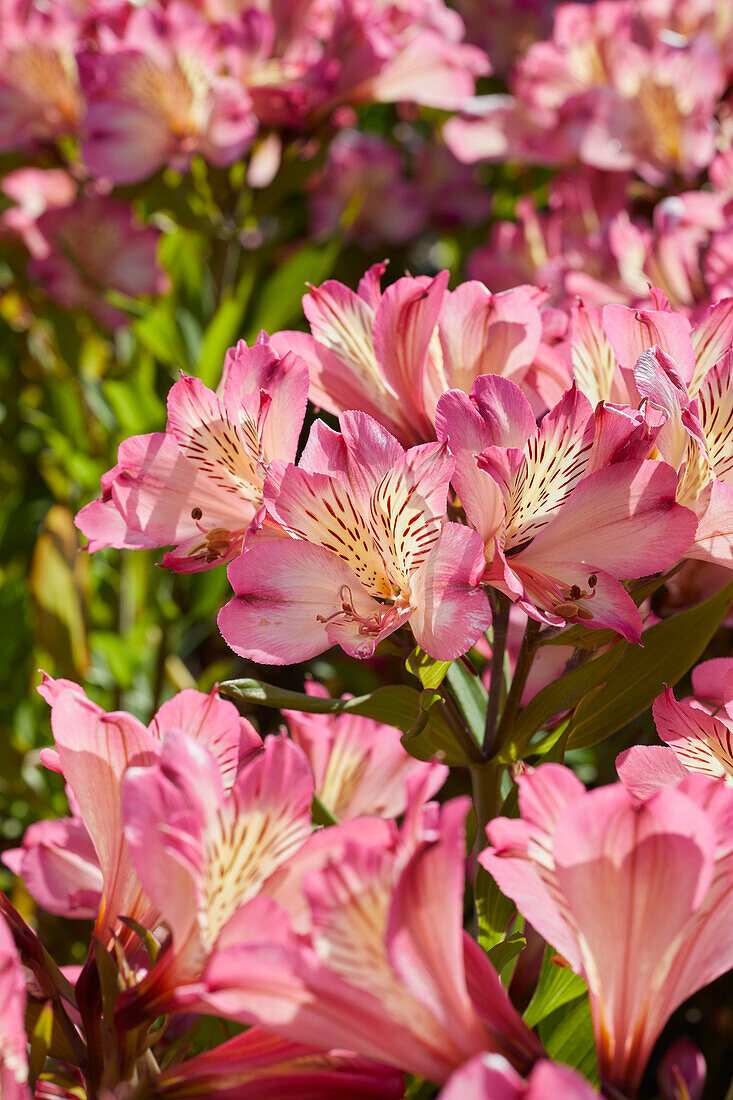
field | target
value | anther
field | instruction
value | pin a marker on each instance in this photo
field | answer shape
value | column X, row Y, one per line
column 196, row 513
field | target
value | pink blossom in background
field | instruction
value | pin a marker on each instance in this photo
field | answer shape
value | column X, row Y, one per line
column 451, row 191
column 505, row 28
column 33, row 190
column 373, row 975
column 490, row 1077
column 682, row 1071
column 411, row 50
column 359, row 765
column 566, row 510
column 581, row 866
column 40, row 100
column 605, row 90
column 199, row 484
column 393, row 353
column 95, row 245
column 362, row 191
column 369, row 550
column 13, row 1042
column 156, row 96
column 257, row 1065
column 93, row 752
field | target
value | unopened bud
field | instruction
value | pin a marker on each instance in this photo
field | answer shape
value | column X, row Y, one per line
column 682, row 1072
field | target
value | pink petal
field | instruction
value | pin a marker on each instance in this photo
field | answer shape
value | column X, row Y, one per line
column 632, row 331
column 451, row 612
column 214, row 722
column 643, row 769
column 701, row 742
column 644, row 868
column 403, row 328
column 284, row 591
column 622, row 519
column 483, row 333
column 59, row 867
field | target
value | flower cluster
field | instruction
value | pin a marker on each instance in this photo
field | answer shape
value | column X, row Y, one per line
column 102, row 95
column 474, row 518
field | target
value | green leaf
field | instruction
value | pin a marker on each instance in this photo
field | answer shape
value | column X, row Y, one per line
column 429, row 672
column 321, row 814
column 279, row 304
column 562, row 694
column 557, row 986
column 505, row 952
column 396, row 705
column 223, row 330
column 567, row 1035
column 494, row 910
column 159, row 333
column 670, row 649
column 40, row 1041
column 471, row 696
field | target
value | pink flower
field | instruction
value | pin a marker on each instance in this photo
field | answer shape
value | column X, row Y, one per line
column 59, row 866
column 93, row 752
column 211, row 859
column 362, row 190
column 688, row 377
column 259, row 1066
column 410, row 50
column 387, row 969
column 156, row 96
column 490, row 1077
column 359, row 765
column 93, row 246
column 566, row 510
column 13, row 1043
column 701, row 742
column 35, row 190
column 608, row 91
column 39, row 89
column 199, row 484
column 393, row 354
column 682, row 1071
column 369, row 550
column 635, row 893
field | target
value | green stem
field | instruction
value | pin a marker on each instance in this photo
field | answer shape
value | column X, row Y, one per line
column 500, row 630
column 486, row 788
column 526, row 657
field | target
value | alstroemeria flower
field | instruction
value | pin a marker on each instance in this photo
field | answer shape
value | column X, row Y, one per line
column 635, row 892
column 607, row 89
column 359, row 765
column 13, row 1042
column 701, row 741
column 91, row 246
column 205, row 855
column 410, row 50
column 682, row 1071
column 490, row 1077
column 198, row 485
column 59, row 866
column 94, row 751
column 387, row 969
column 369, row 550
column 156, row 96
column 393, row 354
column 39, row 84
column 257, row 1065
column 568, row 509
